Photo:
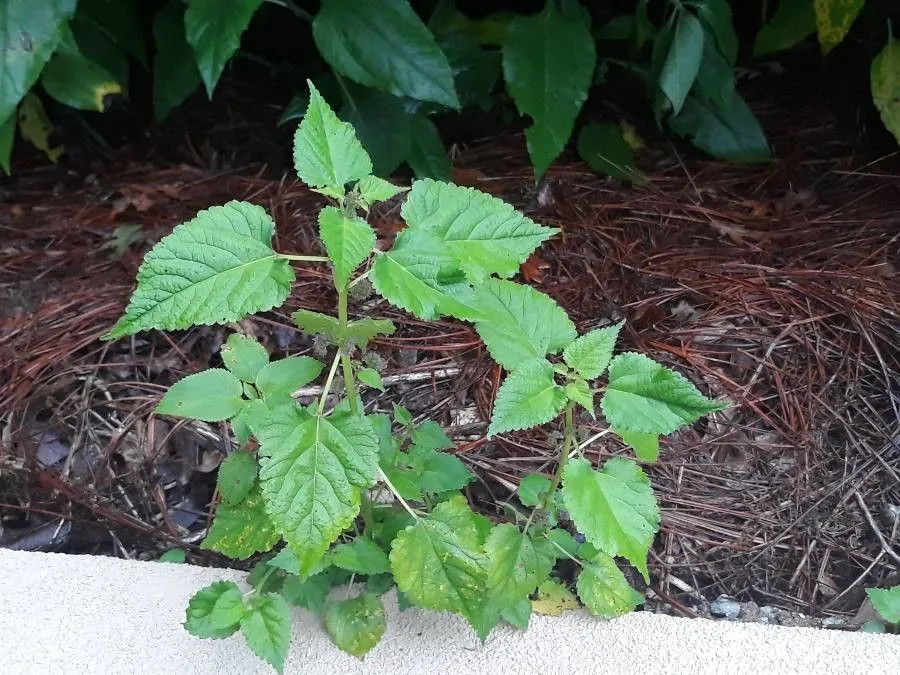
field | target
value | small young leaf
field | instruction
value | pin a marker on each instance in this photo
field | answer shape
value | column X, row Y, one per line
column 885, row 83
column 578, row 391
column 553, row 599
column 373, row 189
column 326, row 150
column 533, row 488
column 244, row 356
column 438, row 562
column 485, row 234
column 527, row 398
column 217, row 268
column 518, row 614
column 362, row 556
column 429, row 436
column 886, row 602
column 241, row 530
column 793, row 22
column 604, row 590
column 237, row 475
column 349, row 241
column 437, row 471
column 371, row 378
column 614, row 508
column 316, row 323
column 250, row 416
column 310, row 594
column 564, row 544
column 833, row 20
column 644, row 396
column 645, row 446
column 604, row 148
column 589, row 355
column 363, row 331
column 683, row 60
column 175, row 73
column 402, row 416
column 312, row 471
column 173, row 555
column 215, row 611
column 284, row 377
column 520, row 324
column 211, row 395
column 266, row 626
column 427, row 156
column 357, row 624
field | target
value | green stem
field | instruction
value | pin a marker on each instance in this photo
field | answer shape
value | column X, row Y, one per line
column 387, row 481
column 292, row 6
column 346, row 365
column 327, row 388
column 303, row 258
column 567, row 444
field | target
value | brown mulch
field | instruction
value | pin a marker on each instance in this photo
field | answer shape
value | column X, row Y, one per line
column 775, row 287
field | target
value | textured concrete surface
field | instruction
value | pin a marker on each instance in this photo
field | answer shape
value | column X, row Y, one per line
column 81, row 614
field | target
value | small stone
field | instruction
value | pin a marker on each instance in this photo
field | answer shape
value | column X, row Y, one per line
column 725, row 607
column 833, row 622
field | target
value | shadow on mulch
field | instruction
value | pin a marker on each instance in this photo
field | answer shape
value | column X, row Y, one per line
column 775, row 287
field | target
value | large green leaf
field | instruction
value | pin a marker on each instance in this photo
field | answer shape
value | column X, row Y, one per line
column 211, row 395
column 528, row 397
column 427, row 156
column 485, row 234
column 645, row 445
column 215, row 611
column 645, row 396
column 833, row 20
column 348, row 241
column 548, row 64
column 420, row 275
column 218, row 267
column 682, row 61
column 175, row 74
column 361, row 556
column 886, row 602
column 97, row 46
column 312, row 470
column 715, row 15
column 885, row 82
column 604, row 590
column 240, row 530
column 604, row 148
column 78, row 82
column 731, row 132
column 590, row 353
column 29, row 34
column 382, row 124
column 327, row 153
column 121, row 21
column 520, row 324
column 793, row 21
column 215, row 34
column 237, row 476
column 266, row 626
column 613, row 508
column 438, row 563
column 244, row 356
column 386, row 46
column 356, row 624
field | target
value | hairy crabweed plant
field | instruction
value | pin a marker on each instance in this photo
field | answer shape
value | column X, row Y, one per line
column 358, row 496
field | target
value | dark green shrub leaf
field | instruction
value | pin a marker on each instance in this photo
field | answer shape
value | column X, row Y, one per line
column 95, row 45
column 77, row 82
column 589, row 355
column 382, row 124
column 886, row 602
column 215, row 34
column 833, row 20
column 242, row 529
column 793, row 22
column 362, row 556
column 266, row 626
column 475, row 70
column 604, row 590
column 357, row 624
column 548, row 64
column 386, row 46
column 7, row 137
column 175, row 74
column 237, row 475
column 215, row 611
column 885, row 82
column 244, row 356
column 731, row 132
column 527, row 398
column 120, row 20
column 682, row 61
column 348, row 241
column 715, row 15
column 604, row 148
column 427, row 156
column 211, row 395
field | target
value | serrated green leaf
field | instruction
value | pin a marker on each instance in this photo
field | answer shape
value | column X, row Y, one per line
column 578, row 391
column 237, row 475
column 614, row 508
column 250, row 416
column 604, row 148
column 427, row 156
column 356, row 624
column 215, row 611
column 326, row 150
column 553, row 599
column 175, row 74
column 682, row 62
column 244, row 356
column 438, row 471
column 266, row 626
column 527, row 398
column 885, row 83
column 834, row 19
column 242, row 529
column 371, row 378
column 729, row 132
column 384, row 45
column 373, row 189
column 215, row 35
column 793, row 22
column 516, row 566
column 886, row 602
column 402, row 416
column 589, row 355
column 419, row 275
column 211, row 395
column 520, row 324
column 312, row 470
column 285, row 376
column 604, row 590
column 363, row 331
column 310, row 594
column 217, row 268
column 429, row 436
column 316, row 323
column 547, row 82
column 485, row 234
column 533, row 488
column 438, row 563
column 518, row 615
column 379, row 584
column 644, row 396
column 564, row 544
column 645, row 446
column 362, row 556
column 348, row 241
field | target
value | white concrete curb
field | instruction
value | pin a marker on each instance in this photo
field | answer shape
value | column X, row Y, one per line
column 84, row 614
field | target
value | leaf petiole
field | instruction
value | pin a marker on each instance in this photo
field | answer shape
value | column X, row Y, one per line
column 327, row 388
column 387, row 481
column 303, row 258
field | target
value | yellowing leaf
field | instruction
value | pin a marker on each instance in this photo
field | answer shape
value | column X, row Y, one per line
column 833, row 20
column 36, row 127
column 554, row 599
column 885, row 80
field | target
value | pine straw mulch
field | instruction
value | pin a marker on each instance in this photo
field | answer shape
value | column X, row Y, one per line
column 774, row 287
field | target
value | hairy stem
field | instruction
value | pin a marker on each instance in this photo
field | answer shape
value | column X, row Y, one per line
column 346, row 365
column 567, row 445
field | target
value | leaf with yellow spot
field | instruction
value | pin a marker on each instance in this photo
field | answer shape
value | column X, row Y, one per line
column 78, row 82
column 243, row 529
column 885, row 80
column 36, row 127
column 833, row 20
column 357, row 624
column 554, row 599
